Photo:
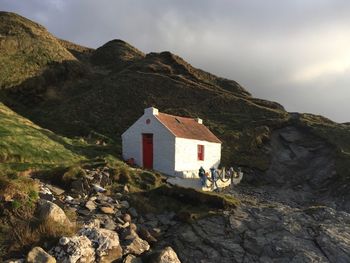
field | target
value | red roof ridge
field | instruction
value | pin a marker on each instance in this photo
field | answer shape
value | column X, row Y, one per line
column 186, row 127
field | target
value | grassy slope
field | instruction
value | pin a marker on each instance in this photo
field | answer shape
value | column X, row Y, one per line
column 24, row 144
column 26, row 49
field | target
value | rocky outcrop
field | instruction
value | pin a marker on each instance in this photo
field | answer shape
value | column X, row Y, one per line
column 39, row 255
column 299, row 159
column 264, row 231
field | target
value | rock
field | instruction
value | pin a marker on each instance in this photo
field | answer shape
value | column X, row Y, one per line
column 77, row 249
column 166, row 219
column 132, row 259
column 70, row 200
column 107, row 243
column 133, row 244
column 119, row 195
column 45, row 193
column 55, row 190
column 152, row 224
column 93, row 198
column 167, row 255
column 119, row 220
column 102, row 198
column 90, row 205
column 133, row 226
column 38, row 255
column 123, row 226
column 45, row 190
column 78, row 185
column 127, row 218
column 14, row 261
column 108, row 223
column 51, row 211
column 107, row 209
column 156, row 231
column 125, row 204
column 133, row 212
column 126, row 189
column 63, row 241
column 98, row 188
column 146, row 235
column 83, row 212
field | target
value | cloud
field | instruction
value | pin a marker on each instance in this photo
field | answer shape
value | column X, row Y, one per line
column 294, row 52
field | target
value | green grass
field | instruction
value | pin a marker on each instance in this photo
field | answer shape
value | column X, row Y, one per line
column 149, row 193
column 24, row 143
column 26, row 50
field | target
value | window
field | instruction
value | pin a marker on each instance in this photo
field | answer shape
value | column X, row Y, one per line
column 200, row 152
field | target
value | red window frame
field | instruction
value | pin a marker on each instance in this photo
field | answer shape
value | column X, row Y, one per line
column 200, row 152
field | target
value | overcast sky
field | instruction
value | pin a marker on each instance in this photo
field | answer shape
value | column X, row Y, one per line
column 296, row 52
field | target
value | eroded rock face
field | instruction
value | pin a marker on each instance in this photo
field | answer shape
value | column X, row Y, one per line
column 300, row 160
column 39, row 255
column 265, row 232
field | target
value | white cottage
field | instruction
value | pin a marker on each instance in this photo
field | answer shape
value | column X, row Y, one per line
column 171, row 144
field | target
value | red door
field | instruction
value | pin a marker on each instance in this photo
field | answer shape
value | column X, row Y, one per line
column 147, row 150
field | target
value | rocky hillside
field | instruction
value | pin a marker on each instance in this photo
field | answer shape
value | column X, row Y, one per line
column 63, row 108
column 80, row 90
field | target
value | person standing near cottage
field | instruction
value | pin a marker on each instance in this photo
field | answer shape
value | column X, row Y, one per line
column 203, row 178
column 213, row 177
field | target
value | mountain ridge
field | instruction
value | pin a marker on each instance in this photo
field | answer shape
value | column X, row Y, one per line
column 61, row 118
column 105, row 90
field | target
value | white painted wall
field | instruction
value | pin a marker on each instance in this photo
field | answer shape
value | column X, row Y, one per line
column 163, row 142
column 186, row 156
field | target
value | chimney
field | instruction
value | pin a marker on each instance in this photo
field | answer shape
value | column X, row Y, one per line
column 200, row 121
column 151, row 111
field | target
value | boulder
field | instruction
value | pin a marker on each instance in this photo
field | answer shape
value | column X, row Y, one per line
column 39, row 255
column 107, row 246
column 167, row 255
column 50, row 211
column 74, row 249
column 133, row 244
